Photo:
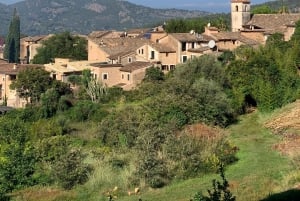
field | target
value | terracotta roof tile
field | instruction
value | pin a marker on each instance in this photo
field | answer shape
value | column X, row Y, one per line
column 135, row 66
column 162, row 48
column 225, row 36
column 188, row 37
column 274, row 22
column 9, row 69
column 199, row 50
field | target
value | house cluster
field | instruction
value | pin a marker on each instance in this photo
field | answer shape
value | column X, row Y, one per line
column 121, row 58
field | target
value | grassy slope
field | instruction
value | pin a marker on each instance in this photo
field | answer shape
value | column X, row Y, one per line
column 259, row 172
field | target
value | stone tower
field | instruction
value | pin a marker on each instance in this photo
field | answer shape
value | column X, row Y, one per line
column 240, row 14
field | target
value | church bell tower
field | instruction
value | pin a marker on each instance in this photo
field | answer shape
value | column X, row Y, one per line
column 240, row 14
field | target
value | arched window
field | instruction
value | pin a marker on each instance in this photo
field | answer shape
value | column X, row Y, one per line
column 236, row 8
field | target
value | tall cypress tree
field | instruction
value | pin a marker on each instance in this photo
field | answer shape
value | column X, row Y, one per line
column 12, row 43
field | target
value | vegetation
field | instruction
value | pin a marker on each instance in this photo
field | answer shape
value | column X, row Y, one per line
column 221, row 21
column 12, row 47
column 63, row 45
column 165, row 135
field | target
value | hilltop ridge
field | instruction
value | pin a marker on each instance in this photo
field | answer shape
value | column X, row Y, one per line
column 43, row 17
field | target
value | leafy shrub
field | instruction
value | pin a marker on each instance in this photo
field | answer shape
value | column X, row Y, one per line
column 219, row 192
column 70, row 170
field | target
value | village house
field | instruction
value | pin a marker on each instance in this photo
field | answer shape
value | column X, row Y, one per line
column 228, row 40
column 29, row 46
column 126, row 76
column 260, row 26
column 186, row 45
column 62, row 68
column 9, row 73
column 162, row 55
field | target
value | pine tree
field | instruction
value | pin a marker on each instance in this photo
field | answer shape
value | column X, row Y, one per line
column 12, row 44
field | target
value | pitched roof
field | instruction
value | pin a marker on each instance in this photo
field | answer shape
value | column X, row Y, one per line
column 273, row 22
column 105, row 65
column 116, row 46
column 34, row 38
column 105, row 34
column 188, row 37
column 121, row 54
column 135, row 66
column 199, row 50
column 9, row 68
column 162, row 48
column 225, row 36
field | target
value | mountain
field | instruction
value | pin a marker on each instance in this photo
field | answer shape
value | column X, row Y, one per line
column 84, row 16
column 9, row 1
column 292, row 5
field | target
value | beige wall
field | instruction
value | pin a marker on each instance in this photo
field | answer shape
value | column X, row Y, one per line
column 32, row 48
column 13, row 100
column 155, row 36
column 289, row 32
column 113, row 75
column 95, row 53
column 228, row 44
column 257, row 36
column 240, row 15
column 135, row 78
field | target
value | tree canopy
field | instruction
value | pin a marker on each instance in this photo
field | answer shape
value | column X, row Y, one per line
column 63, row 45
column 12, row 43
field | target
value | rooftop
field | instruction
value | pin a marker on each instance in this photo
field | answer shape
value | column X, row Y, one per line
column 135, row 66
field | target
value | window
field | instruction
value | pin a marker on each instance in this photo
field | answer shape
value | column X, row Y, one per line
column 164, row 67
column 128, row 77
column 152, row 55
column 167, row 54
column 12, row 77
column 193, row 45
column 184, row 59
column 129, row 59
column 54, row 76
column 104, row 76
column 172, row 67
column 139, row 51
column 95, row 76
column 142, row 51
column 183, row 46
column 237, row 8
column 122, row 76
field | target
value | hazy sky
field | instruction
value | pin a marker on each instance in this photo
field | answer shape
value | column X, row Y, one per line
column 205, row 5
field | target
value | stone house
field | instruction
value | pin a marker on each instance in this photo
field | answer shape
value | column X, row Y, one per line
column 29, row 46
column 162, row 55
column 186, row 45
column 126, row 76
column 259, row 26
column 62, row 68
column 9, row 73
column 228, row 40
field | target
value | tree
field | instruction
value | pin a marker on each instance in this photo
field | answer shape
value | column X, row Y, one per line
column 31, row 83
column 17, row 158
column 220, row 190
column 63, row 45
column 12, row 44
column 154, row 74
column 264, row 9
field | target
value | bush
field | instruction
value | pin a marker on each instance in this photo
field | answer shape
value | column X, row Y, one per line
column 70, row 170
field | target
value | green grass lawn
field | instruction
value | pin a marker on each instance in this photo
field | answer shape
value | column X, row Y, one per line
column 259, row 172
